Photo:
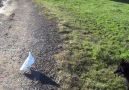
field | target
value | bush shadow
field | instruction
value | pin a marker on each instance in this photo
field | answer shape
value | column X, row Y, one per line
column 121, row 1
column 42, row 78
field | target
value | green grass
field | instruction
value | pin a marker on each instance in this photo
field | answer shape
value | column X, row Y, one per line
column 95, row 31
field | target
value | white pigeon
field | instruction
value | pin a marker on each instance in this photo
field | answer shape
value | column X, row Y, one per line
column 28, row 62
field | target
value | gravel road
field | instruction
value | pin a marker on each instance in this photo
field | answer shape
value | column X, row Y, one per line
column 23, row 28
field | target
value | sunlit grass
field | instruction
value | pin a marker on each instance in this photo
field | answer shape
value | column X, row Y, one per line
column 95, row 31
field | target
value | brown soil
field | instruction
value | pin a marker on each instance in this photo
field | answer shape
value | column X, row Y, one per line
column 24, row 30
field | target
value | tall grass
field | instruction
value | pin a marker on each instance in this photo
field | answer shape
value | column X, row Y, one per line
column 95, row 32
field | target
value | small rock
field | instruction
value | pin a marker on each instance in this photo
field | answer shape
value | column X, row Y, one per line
column 1, row 4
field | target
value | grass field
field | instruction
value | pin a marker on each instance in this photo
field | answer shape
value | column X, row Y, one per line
column 94, row 32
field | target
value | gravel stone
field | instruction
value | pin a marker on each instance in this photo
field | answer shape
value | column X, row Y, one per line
column 26, row 29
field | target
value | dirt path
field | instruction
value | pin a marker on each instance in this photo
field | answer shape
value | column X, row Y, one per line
column 23, row 28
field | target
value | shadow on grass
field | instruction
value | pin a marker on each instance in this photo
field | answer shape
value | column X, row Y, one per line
column 42, row 78
column 122, row 1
